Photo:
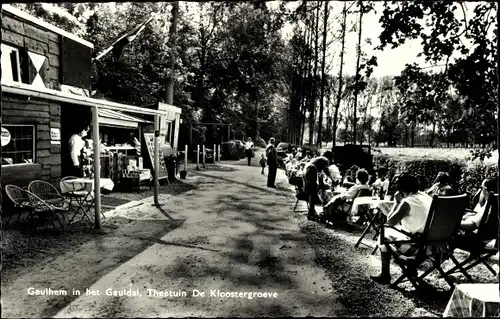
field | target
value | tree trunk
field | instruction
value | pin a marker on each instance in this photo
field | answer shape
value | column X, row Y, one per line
column 356, row 89
column 323, row 77
column 339, row 93
column 169, row 98
column 312, row 105
column 433, row 134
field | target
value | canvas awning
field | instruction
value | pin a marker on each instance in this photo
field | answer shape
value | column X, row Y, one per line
column 119, row 119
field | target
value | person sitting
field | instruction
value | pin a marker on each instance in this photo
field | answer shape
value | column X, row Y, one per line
column 381, row 185
column 336, row 204
column 471, row 220
column 441, row 186
column 350, row 178
column 409, row 215
column 310, row 176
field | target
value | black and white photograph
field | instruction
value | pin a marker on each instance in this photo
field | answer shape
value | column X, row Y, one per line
column 250, row 159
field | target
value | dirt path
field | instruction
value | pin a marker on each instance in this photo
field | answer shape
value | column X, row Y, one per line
column 230, row 234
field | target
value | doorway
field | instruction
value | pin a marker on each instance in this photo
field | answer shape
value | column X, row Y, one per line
column 73, row 118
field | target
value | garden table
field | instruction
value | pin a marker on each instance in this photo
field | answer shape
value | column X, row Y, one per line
column 85, row 186
column 383, row 206
column 474, row 300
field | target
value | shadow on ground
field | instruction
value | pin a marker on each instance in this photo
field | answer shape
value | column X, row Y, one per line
column 89, row 253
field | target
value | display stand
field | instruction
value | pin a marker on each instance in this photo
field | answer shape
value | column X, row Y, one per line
column 148, row 146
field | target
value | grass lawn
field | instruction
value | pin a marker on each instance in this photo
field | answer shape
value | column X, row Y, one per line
column 445, row 153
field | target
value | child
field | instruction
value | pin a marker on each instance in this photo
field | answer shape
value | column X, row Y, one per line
column 381, row 185
column 262, row 163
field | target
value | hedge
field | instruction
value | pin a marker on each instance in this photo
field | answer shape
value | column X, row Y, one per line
column 465, row 176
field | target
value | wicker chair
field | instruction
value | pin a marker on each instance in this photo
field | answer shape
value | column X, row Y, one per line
column 45, row 191
column 19, row 198
column 44, row 209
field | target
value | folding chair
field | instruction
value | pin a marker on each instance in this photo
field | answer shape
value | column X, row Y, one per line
column 301, row 196
column 441, row 226
column 360, row 193
column 20, row 200
column 44, row 209
column 476, row 243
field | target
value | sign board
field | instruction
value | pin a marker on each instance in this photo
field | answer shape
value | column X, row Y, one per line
column 149, row 139
column 5, row 136
column 55, row 134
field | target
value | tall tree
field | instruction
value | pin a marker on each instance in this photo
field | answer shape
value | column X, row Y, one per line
column 340, row 77
column 323, row 75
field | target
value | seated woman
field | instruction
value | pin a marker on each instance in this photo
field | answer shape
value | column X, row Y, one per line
column 335, row 205
column 409, row 215
column 381, row 185
column 441, row 186
column 350, row 177
column 471, row 220
column 310, row 175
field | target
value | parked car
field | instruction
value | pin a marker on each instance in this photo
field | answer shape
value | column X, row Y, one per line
column 232, row 150
column 282, row 151
column 209, row 155
column 349, row 155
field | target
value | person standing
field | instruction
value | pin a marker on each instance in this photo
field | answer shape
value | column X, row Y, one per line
column 76, row 144
column 262, row 163
column 272, row 163
column 310, row 178
column 249, row 150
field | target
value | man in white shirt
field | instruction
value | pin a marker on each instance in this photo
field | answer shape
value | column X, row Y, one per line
column 76, row 144
column 381, row 184
column 249, row 150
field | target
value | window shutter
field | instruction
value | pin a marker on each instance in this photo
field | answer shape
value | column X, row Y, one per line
column 75, row 63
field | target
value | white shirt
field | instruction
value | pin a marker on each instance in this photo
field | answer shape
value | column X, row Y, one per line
column 414, row 222
column 335, row 172
column 76, row 144
column 378, row 184
column 248, row 145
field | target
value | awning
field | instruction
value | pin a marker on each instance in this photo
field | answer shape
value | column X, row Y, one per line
column 114, row 118
column 49, row 94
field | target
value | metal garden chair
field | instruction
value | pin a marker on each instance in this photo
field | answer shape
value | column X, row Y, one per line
column 20, row 200
column 45, row 191
column 50, row 210
column 441, row 227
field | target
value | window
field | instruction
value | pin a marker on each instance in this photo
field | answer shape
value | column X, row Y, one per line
column 21, row 147
column 11, row 64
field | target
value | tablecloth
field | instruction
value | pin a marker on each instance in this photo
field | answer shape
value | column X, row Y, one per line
column 383, row 205
column 87, row 184
column 474, row 300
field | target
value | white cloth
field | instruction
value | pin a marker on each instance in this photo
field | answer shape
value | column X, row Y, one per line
column 248, row 145
column 76, row 144
column 414, row 222
column 353, row 191
column 84, row 184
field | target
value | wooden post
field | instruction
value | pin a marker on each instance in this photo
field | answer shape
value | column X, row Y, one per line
column 203, row 156
column 190, row 134
column 218, row 152
column 228, row 132
column 97, row 167
column 214, row 153
column 156, row 168
column 198, row 157
column 185, row 158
